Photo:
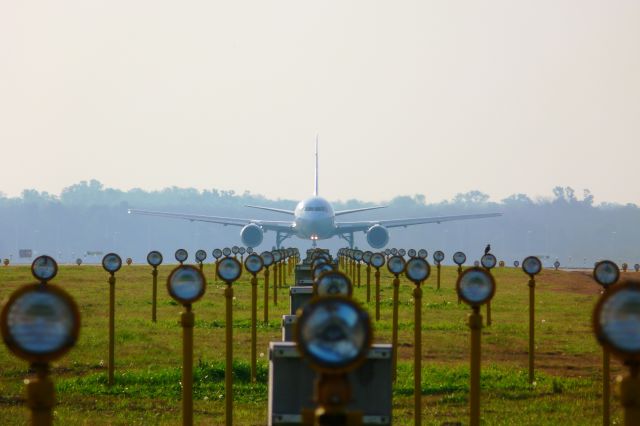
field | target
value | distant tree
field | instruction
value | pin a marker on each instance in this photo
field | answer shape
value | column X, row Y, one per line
column 471, row 197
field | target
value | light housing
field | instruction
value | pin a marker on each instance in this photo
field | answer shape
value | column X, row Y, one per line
column 396, row 265
column 616, row 320
column 186, row 284
column 111, row 263
column 606, row 273
column 417, row 270
column 459, row 258
column 488, row 261
column 531, row 266
column 253, row 263
column 44, row 268
column 332, row 283
column 229, row 269
column 154, row 258
column 476, row 286
column 181, row 255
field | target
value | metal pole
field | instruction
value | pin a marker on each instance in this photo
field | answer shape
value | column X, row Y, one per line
column 187, row 321
column 266, row 295
column 394, row 328
column 475, row 324
column 417, row 356
column 275, row 284
column 377, row 294
column 606, row 388
column 216, row 274
column 41, row 396
column 154, row 296
column 368, row 283
column 459, row 272
column 358, row 266
column 532, row 287
column 201, row 266
column 228, row 371
column 112, row 315
column 283, row 276
column 254, row 315
column 489, row 313
column 438, row 266
column 630, row 397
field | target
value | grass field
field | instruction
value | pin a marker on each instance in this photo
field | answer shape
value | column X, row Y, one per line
column 148, row 355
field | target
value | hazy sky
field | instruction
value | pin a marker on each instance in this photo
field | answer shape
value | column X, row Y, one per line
column 427, row 97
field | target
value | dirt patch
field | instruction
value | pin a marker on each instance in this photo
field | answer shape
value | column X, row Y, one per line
column 576, row 282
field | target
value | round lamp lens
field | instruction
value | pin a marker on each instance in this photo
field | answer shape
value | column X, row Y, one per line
column 556, row 264
column 267, row 258
column 154, row 258
column 488, row 261
column 402, row 252
column 377, row 260
column 250, row 250
column 234, row 249
column 438, row 256
column 459, row 258
column 387, row 252
column 226, row 251
column 357, row 255
column 201, row 255
column 217, row 253
column 181, row 255
column 78, row 261
column 636, row 267
column 395, row 264
column 422, row 254
column 532, row 265
column 516, row 263
column 253, row 263
column 44, row 268
column 366, row 256
column 186, row 284
column 606, row 273
column 618, row 319
column 412, row 253
column 394, row 251
column 40, row 322
column 242, row 250
column 417, row 270
column 229, row 269
column 111, row 262
column 277, row 256
column 475, row 286
column 333, row 283
column 334, row 334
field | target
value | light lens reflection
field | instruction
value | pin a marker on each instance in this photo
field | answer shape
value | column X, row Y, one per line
column 44, row 268
column 154, row 258
column 112, row 262
column 417, row 270
column 606, row 273
column 41, row 323
column 620, row 320
column 395, row 265
column 253, row 263
column 333, row 284
column 229, row 269
column 334, row 334
column 476, row 286
column 186, row 284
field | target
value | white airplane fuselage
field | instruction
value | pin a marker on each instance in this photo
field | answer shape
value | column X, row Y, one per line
column 314, row 219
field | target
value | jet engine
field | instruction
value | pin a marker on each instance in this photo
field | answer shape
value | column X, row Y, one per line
column 251, row 235
column 377, row 236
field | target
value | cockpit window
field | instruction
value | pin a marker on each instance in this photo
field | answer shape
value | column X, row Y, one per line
column 315, row 209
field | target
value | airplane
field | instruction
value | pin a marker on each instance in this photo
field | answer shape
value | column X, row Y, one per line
column 314, row 219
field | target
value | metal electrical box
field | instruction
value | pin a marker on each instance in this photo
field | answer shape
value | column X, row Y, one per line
column 291, row 382
column 298, row 297
column 303, row 275
column 288, row 323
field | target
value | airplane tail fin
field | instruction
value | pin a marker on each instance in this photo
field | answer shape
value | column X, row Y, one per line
column 315, row 192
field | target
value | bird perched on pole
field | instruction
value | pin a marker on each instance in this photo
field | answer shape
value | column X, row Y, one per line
column 487, row 249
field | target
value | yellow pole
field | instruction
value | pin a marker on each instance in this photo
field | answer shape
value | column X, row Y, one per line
column 532, row 287
column 154, row 294
column 40, row 396
column 254, row 315
column 275, row 284
column 187, row 321
column 228, row 371
column 438, row 266
column 417, row 356
column 459, row 272
column 377, row 275
column 475, row 324
column 112, row 316
column 630, row 397
column 201, row 266
column 606, row 384
column 368, row 283
column 394, row 328
column 216, row 274
column 283, row 275
column 358, row 266
column 489, row 313
column 266, row 295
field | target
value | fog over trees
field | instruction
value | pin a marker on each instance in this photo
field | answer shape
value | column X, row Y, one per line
column 87, row 216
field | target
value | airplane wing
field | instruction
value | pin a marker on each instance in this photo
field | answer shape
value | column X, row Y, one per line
column 395, row 223
column 271, row 209
column 341, row 212
column 268, row 225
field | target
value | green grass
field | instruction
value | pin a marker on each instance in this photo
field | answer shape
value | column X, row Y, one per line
column 149, row 356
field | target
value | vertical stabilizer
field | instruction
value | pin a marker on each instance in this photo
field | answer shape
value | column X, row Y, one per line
column 315, row 192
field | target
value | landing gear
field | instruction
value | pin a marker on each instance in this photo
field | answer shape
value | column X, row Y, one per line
column 348, row 238
column 280, row 237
